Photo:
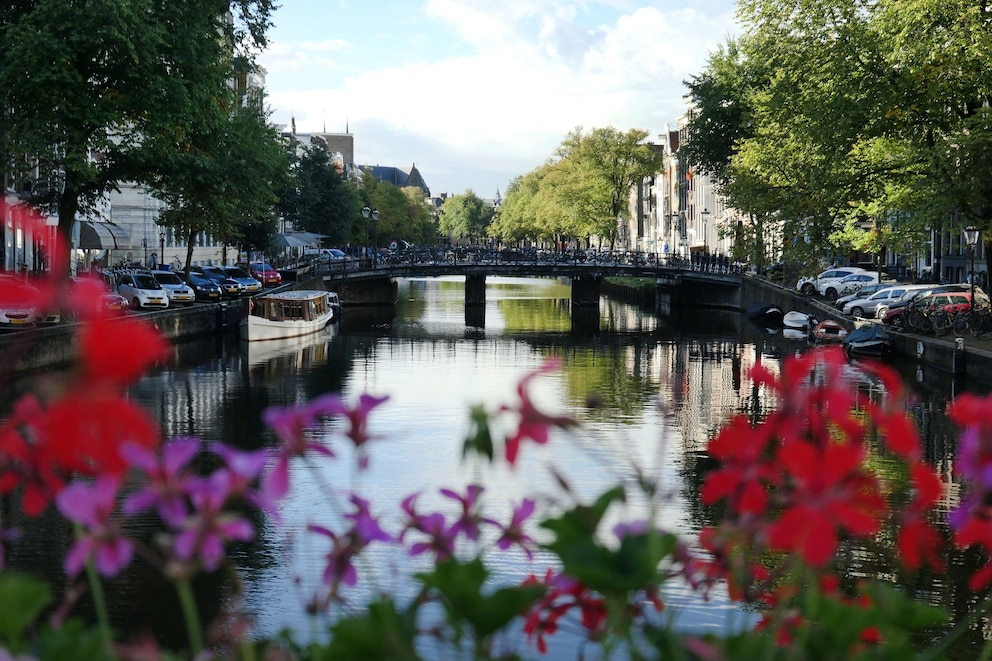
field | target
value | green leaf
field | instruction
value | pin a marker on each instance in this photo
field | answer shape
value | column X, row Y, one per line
column 21, row 600
column 480, row 439
column 461, row 586
column 382, row 632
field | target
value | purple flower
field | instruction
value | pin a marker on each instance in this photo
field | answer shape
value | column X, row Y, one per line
column 245, row 467
column 357, row 416
column 365, row 527
column 168, row 478
column 205, row 532
column 513, row 533
column 290, row 425
column 90, row 506
column 440, row 540
column 339, row 567
column 469, row 520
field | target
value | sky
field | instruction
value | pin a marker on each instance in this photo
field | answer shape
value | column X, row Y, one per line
column 477, row 92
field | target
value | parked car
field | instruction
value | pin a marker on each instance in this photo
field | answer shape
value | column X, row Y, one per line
column 140, row 288
column 18, row 303
column 249, row 285
column 229, row 287
column 887, row 312
column 864, row 292
column 263, row 272
column 853, row 283
column 810, row 286
column 866, row 307
column 177, row 290
column 204, row 289
column 92, row 297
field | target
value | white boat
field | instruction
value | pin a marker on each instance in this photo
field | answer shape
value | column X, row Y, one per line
column 797, row 320
column 286, row 314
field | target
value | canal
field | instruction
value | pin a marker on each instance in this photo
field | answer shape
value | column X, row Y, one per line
column 647, row 392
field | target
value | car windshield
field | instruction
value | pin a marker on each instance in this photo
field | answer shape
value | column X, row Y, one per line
column 146, row 282
column 262, row 266
column 168, row 279
column 235, row 272
column 198, row 279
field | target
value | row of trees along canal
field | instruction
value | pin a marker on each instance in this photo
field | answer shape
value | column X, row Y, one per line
column 851, row 126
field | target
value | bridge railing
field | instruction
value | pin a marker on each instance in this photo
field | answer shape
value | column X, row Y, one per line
column 466, row 256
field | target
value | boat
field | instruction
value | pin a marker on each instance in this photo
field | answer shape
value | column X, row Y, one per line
column 765, row 313
column 286, row 314
column 868, row 340
column 335, row 302
column 797, row 320
column 829, row 330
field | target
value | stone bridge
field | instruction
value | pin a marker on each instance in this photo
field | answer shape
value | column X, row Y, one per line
column 676, row 286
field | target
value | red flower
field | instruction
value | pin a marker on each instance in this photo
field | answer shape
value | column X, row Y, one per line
column 119, row 350
column 534, row 423
column 828, row 492
column 745, row 474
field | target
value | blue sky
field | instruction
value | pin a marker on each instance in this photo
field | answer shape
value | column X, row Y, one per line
column 476, row 92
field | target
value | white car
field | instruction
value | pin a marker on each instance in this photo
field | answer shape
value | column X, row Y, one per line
column 140, row 289
column 856, row 281
column 179, row 292
column 866, row 307
column 810, row 286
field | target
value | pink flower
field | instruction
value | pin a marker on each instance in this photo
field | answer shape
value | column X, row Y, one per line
column 513, row 533
column 357, row 417
column 441, row 540
column 365, row 529
column 205, row 532
column 290, row 425
column 91, row 506
column 534, row 423
column 168, row 478
column 469, row 521
column 245, row 468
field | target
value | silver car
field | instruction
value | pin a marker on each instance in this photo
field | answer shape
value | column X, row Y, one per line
column 249, row 285
column 867, row 306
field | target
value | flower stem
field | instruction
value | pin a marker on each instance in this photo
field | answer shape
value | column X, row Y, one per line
column 191, row 615
column 100, row 603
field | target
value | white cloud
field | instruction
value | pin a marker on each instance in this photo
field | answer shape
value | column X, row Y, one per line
column 503, row 83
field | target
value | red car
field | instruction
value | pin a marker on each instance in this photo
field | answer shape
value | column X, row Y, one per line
column 263, row 272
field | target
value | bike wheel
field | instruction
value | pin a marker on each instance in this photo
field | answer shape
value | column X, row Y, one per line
column 960, row 324
column 941, row 322
column 916, row 321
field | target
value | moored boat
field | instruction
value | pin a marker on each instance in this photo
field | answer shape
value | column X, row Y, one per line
column 797, row 320
column 829, row 330
column 765, row 313
column 868, row 340
column 286, row 314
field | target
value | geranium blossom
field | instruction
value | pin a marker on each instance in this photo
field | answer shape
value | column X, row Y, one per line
column 513, row 532
column 91, row 506
column 206, row 531
column 291, row 425
column 357, row 417
column 469, row 519
column 168, row 478
column 533, row 423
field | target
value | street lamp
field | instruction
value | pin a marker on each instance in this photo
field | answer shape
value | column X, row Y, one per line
column 161, row 252
column 366, row 212
column 971, row 238
column 375, row 231
column 706, row 239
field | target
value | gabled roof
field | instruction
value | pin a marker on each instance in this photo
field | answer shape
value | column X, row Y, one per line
column 399, row 177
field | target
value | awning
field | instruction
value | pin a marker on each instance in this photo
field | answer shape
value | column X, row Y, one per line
column 103, row 236
column 298, row 239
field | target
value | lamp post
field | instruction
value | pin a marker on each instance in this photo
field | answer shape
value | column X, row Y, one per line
column 706, row 227
column 161, row 253
column 971, row 238
column 366, row 212
column 375, row 232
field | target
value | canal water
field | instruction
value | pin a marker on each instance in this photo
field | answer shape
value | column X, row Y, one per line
column 647, row 392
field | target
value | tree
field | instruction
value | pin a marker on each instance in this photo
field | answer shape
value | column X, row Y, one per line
column 327, row 203
column 594, row 174
column 85, row 87
column 465, row 216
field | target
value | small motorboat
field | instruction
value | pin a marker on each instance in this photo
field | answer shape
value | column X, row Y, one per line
column 829, row 331
column 797, row 320
column 868, row 340
column 766, row 314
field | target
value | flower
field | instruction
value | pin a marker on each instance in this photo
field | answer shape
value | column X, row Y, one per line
column 533, row 422
column 205, row 532
column 91, row 506
column 441, row 540
column 168, row 478
column 245, row 468
column 357, row 418
column 513, row 532
column 290, row 425
column 468, row 522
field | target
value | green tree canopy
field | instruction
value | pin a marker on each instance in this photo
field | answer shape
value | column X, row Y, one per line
column 465, row 217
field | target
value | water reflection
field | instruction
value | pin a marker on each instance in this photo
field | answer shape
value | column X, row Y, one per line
column 649, row 392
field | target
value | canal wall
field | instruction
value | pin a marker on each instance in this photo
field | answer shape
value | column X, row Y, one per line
column 49, row 347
